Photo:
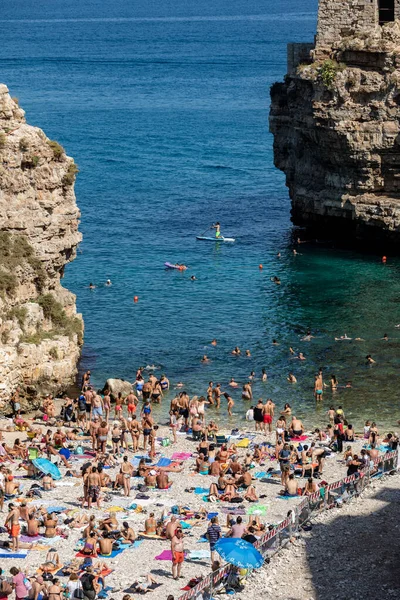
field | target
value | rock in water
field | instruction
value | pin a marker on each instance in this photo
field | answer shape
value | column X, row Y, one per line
column 118, row 385
column 336, row 124
column 40, row 331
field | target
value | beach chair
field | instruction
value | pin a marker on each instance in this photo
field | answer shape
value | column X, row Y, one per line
column 33, row 453
column 221, row 440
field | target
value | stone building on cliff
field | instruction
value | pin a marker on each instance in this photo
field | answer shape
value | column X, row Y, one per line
column 336, row 122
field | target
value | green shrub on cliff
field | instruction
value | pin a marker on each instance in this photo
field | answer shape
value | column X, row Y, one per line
column 69, row 177
column 19, row 313
column 8, row 283
column 58, row 150
column 61, row 322
column 16, row 251
column 327, row 72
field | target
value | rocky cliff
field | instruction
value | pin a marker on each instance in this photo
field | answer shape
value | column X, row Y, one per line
column 40, row 332
column 336, row 126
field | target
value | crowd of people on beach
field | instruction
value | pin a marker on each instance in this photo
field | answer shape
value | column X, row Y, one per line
column 94, row 440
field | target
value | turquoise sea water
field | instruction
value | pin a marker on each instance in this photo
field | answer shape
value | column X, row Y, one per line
column 164, row 106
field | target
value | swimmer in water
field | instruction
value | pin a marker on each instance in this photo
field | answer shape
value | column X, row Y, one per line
column 91, row 286
column 342, row 338
column 264, row 376
column 252, row 375
column 108, row 282
column 193, row 278
column 308, row 337
column 217, row 228
column 247, row 353
column 301, row 356
column 369, row 359
column 179, row 384
column 291, row 378
column 233, row 383
column 275, row 343
column 291, row 350
column 278, row 255
column 276, row 280
column 359, row 340
column 385, row 337
column 214, row 342
column 236, row 351
column 205, row 359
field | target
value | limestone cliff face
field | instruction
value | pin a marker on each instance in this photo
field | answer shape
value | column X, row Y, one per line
column 336, row 126
column 40, row 333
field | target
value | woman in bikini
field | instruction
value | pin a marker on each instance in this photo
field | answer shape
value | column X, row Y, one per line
column 116, row 437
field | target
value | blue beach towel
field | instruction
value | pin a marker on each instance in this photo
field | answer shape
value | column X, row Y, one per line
column 55, row 509
column 201, row 490
column 164, row 462
column 260, row 474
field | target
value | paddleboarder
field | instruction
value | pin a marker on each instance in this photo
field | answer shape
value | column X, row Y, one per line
column 217, row 227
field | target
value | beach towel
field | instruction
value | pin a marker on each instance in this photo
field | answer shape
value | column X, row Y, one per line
column 299, row 438
column 164, row 462
column 243, row 443
column 181, row 455
column 257, row 509
column 113, row 554
column 30, row 538
column 56, row 509
column 165, row 555
column 199, row 554
column 260, row 474
column 151, row 537
column 234, row 510
column 201, row 490
column 18, row 554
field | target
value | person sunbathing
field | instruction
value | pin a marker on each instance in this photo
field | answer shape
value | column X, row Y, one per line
column 230, row 492
column 52, row 562
column 150, row 525
column 48, row 483
column 110, row 523
column 143, row 585
column 90, row 547
column 105, row 544
column 11, row 487
column 150, row 479
column 251, row 494
column 50, row 523
column 128, row 533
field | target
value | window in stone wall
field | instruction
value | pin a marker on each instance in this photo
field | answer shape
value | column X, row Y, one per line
column 386, row 11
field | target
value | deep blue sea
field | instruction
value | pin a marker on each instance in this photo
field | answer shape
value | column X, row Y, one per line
column 164, row 107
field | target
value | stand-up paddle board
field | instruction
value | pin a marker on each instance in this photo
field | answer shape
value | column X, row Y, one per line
column 214, row 239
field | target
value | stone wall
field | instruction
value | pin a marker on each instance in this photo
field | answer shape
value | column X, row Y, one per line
column 298, row 54
column 40, row 335
column 340, row 18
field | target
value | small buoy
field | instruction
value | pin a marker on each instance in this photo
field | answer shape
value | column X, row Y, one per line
column 383, row 259
column 260, row 266
column 136, row 298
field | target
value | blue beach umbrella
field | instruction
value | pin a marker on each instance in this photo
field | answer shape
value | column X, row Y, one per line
column 47, row 467
column 240, row 553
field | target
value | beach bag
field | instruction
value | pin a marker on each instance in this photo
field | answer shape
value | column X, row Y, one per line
column 78, row 592
column 166, row 442
column 79, row 450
